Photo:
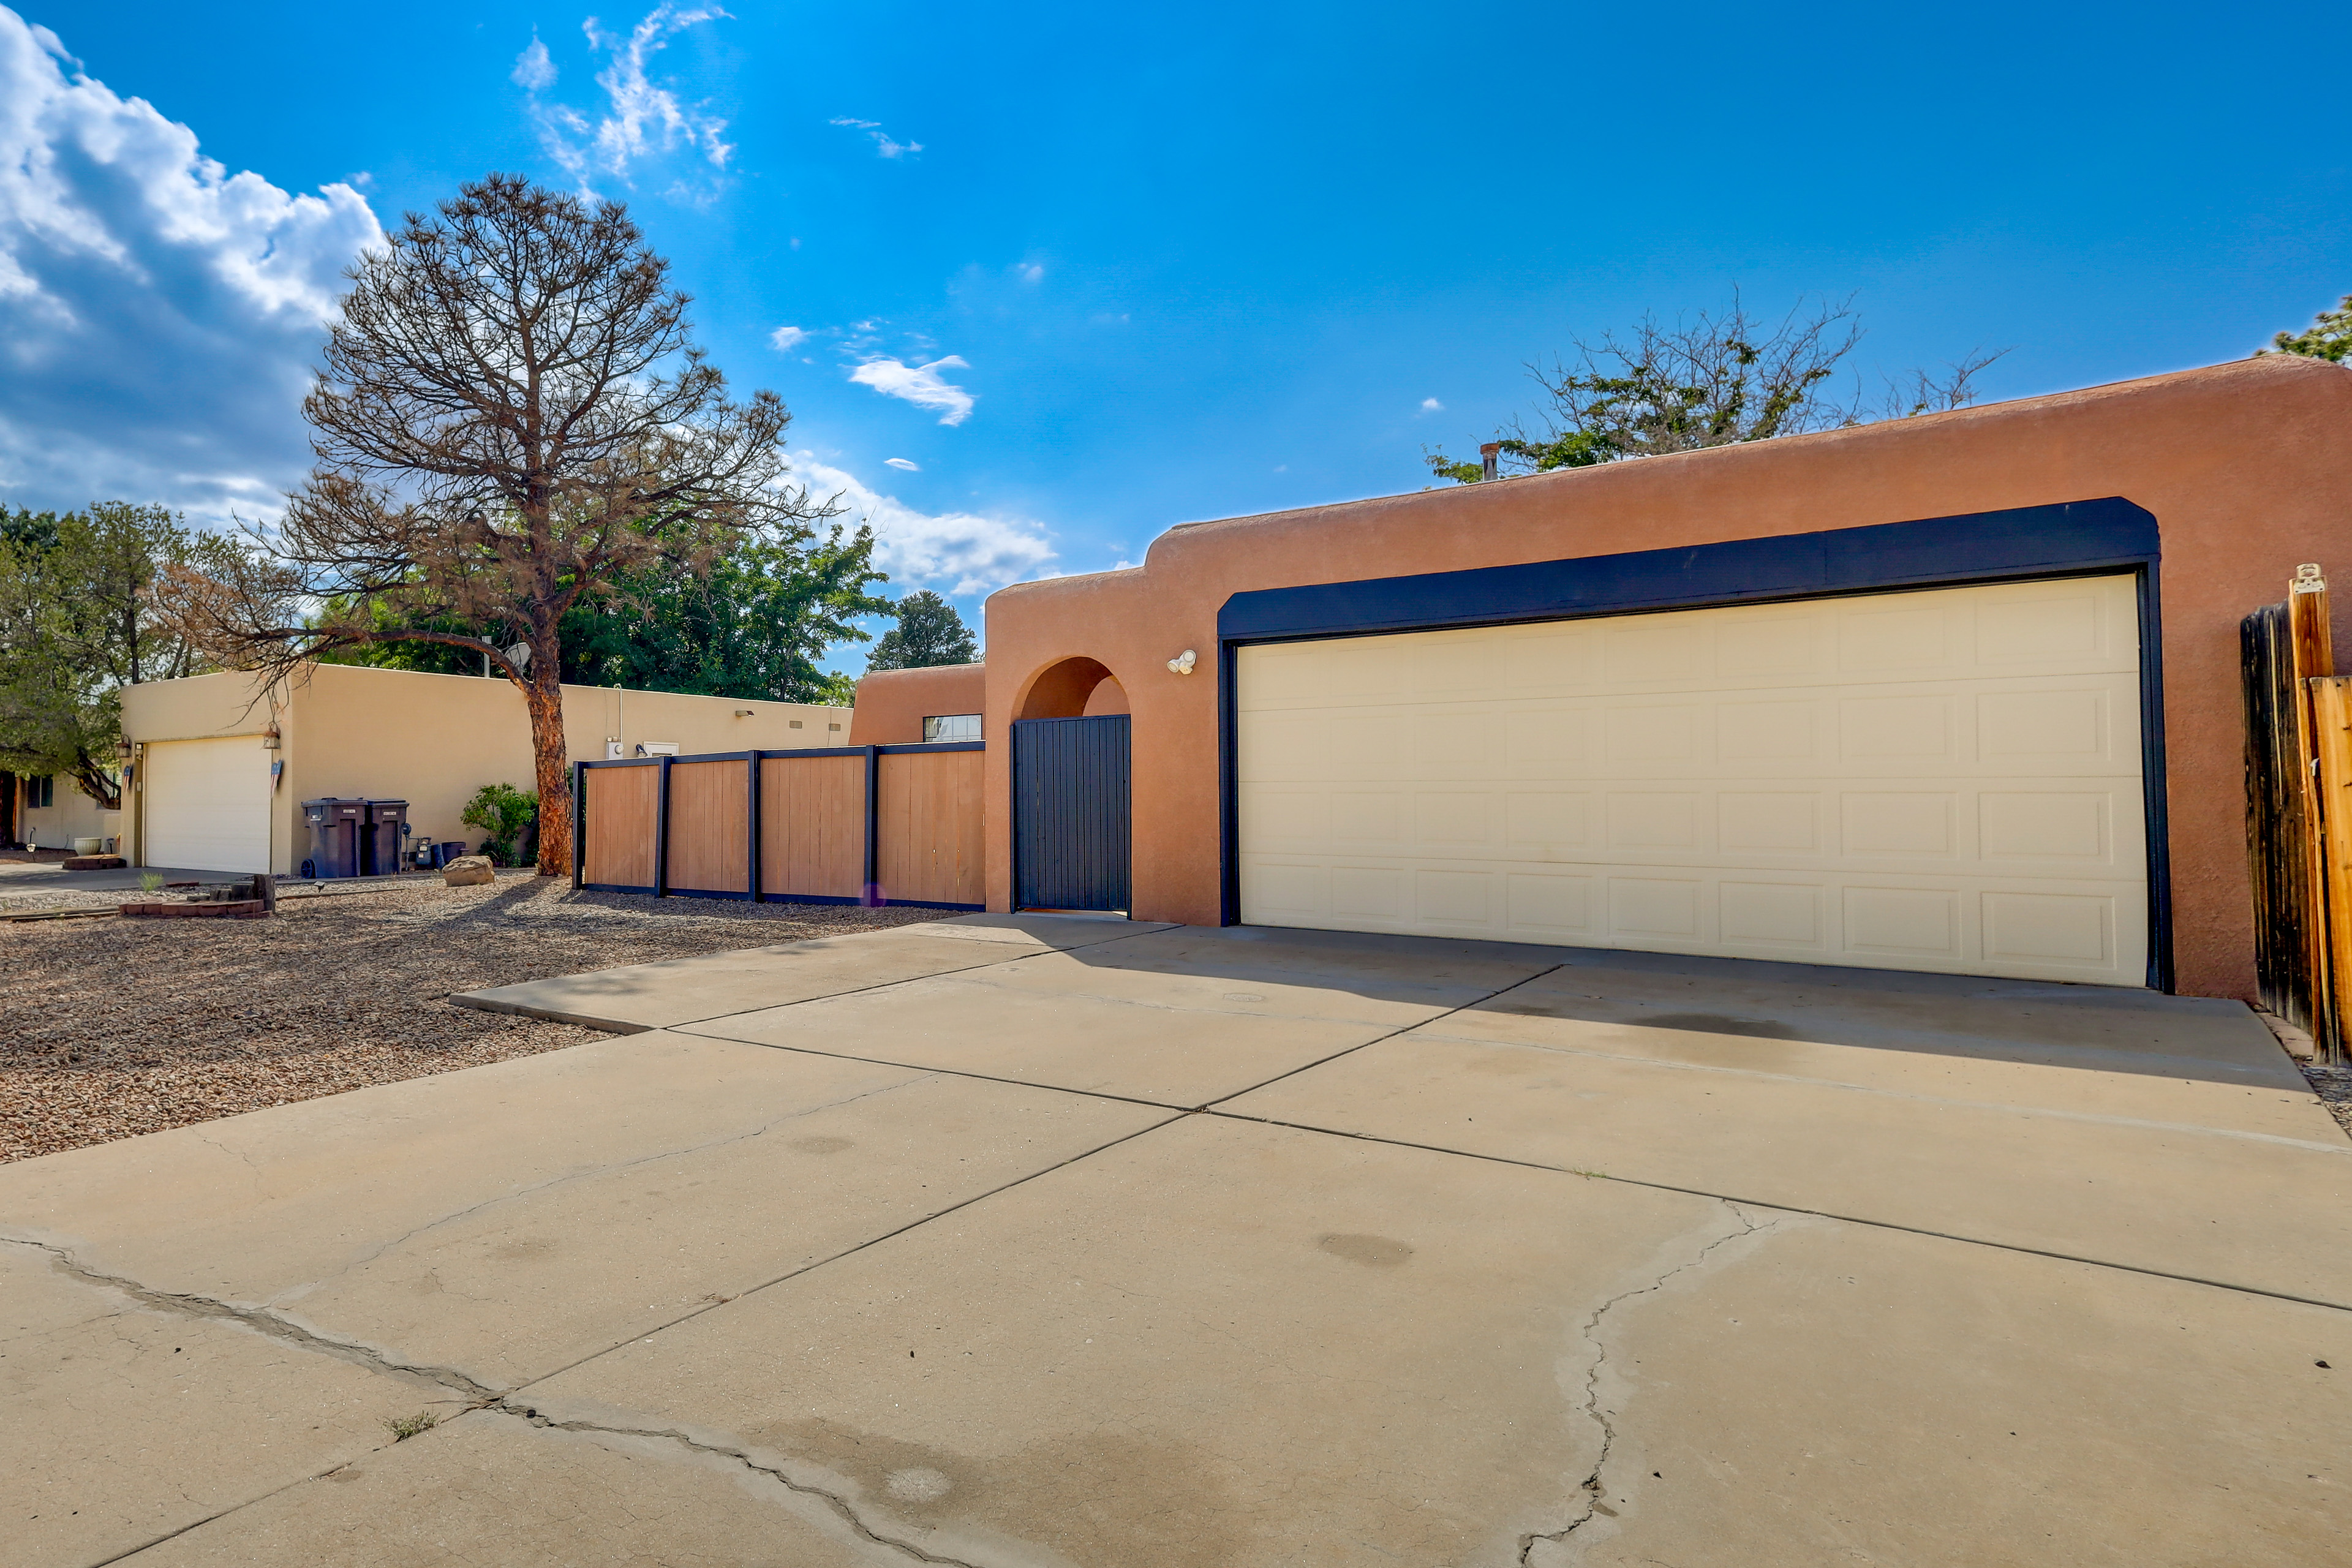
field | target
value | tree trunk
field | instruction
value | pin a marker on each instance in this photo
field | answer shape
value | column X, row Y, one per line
column 543, row 695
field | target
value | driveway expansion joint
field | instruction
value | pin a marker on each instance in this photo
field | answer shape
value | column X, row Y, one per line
column 1788, row 1208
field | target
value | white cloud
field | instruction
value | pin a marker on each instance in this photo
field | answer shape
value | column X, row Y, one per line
column 1033, row 273
column 642, row 118
column 883, row 145
column 158, row 315
column 920, row 385
column 533, row 71
column 786, row 339
column 1431, row 405
column 956, row 551
column 907, row 464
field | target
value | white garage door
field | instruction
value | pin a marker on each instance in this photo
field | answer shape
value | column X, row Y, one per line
column 207, row 803
column 1947, row 780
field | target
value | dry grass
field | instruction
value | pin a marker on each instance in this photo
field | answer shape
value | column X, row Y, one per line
column 113, row 1028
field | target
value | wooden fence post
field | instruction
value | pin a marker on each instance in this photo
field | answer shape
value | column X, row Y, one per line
column 752, row 832
column 870, row 894
column 2331, row 705
column 2312, row 655
column 661, row 828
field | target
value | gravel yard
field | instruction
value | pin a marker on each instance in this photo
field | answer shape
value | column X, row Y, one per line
column 111, row 1028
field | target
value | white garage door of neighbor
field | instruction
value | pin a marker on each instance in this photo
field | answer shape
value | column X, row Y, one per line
column 207, row 803
column 1945, row 780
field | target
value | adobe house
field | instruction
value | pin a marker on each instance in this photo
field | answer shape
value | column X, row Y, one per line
column 1958, row 693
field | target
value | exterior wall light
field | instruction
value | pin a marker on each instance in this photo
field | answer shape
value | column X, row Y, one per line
column 1182, row 663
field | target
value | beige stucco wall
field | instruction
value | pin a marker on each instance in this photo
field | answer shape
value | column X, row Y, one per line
column 75, row 816
column 434, row 740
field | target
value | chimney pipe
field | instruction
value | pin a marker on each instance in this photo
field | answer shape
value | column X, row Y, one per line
column 1489, row 457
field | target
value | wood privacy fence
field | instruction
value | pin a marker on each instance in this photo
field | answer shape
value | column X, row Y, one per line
column 847, row 824
column 2299, row 814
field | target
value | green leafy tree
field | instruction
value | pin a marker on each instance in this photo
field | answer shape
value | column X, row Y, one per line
column 928, row 633
column 504, row 815
column 78, row 624
column 753, row 625
column 1723, row 380
column 2329, row 337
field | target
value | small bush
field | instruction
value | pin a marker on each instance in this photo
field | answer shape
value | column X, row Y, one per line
column 403, row 1427
column 504, row 815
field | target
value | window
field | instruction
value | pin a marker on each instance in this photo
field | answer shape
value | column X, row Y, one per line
column 40, row 792
column 952, row 727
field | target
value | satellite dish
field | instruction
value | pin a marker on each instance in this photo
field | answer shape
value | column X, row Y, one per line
column 520, row 655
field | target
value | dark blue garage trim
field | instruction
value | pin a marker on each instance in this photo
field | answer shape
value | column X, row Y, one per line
column 2028, row 542
column 2069, row 539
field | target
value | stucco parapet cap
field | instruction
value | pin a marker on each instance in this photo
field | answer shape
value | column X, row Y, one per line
column 2228, row 379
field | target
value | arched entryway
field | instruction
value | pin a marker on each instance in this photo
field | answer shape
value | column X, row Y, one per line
column 1071, row 825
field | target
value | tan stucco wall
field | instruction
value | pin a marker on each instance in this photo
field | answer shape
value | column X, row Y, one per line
column 75, row 816
column 893, row 703
column 435, row 740
column 2243, row 466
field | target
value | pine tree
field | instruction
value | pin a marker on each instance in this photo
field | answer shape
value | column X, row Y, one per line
column 928, row 633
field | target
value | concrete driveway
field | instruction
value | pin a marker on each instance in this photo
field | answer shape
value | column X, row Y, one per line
column 1051, row 1241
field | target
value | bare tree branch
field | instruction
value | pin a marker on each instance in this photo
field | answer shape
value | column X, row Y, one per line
column 511, row 417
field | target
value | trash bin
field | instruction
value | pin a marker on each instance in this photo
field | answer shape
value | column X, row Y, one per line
column 336, row 829
column 445, row 850
column 380, row 840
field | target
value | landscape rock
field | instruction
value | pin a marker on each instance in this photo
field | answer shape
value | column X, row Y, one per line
column 467, row 871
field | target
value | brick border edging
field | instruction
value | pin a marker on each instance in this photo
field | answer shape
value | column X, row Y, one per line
column 239, row 910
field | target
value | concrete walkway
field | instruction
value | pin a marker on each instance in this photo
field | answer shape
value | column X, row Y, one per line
column 1046, row 1241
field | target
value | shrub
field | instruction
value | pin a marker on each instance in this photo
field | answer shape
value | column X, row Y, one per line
column 504, row 815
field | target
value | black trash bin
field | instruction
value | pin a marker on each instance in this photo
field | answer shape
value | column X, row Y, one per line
column 337, row 828
column 380, row 840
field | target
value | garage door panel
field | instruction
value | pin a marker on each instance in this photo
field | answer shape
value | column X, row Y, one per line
column 1560, row 661
column 1943, row 780
column 206, row 803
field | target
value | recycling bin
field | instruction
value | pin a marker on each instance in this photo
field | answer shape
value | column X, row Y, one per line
column 386, row 824
column 336, row 827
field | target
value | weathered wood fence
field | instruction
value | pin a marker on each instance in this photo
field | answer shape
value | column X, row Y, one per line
column 847, row 824
column 2299, row 814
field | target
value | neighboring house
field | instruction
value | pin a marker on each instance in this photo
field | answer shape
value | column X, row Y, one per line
column 1956, row 693
column 50, row 812
column 221, row 768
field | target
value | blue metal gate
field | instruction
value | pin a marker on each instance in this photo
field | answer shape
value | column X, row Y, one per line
column 1070, row 823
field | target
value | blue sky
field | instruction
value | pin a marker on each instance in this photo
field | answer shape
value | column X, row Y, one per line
column 1094, row 271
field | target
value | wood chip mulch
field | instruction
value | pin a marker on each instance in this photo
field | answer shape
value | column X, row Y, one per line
column 113, row 1027
column 2334, row 1087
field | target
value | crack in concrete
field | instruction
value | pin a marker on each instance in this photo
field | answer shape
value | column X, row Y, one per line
column 1592, row 1488
column 261, row 1321
column 839, row 1505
